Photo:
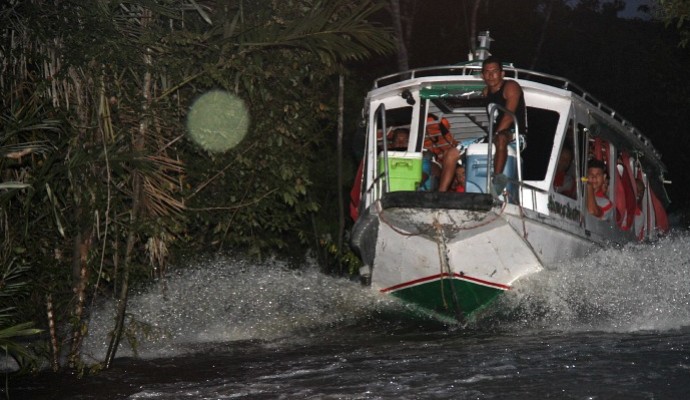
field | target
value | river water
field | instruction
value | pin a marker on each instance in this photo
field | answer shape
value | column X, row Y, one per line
column 615, row 325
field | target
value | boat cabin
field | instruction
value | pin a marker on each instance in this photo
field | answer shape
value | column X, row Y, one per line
column 563, row 122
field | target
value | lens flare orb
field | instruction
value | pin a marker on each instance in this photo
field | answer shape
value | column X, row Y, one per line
column 218, row 121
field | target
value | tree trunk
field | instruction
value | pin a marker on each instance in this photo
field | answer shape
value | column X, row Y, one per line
column 403, row 63
column 82, row 240
column 542, row 38
column 124, row 289
column 54, row 344
column 82, row 243
column 341, row 199
column 135, row 213
column 473, row 25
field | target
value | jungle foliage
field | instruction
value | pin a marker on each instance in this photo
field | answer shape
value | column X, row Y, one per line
column 676, row 13
column 100, row 184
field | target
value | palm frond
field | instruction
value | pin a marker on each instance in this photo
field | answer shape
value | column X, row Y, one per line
column 159, row 185
column 331, row 31
column 13, row 278
column 23, row 329
column 15, row 349
column 19, row 126
column 19, row 150
column 13, row 185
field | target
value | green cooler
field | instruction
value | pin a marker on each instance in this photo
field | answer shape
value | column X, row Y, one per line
column 404, row 170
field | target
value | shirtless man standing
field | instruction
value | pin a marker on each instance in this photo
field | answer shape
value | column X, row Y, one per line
column 508, row 94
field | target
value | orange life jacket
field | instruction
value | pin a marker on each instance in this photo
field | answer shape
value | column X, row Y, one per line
column 438, row 138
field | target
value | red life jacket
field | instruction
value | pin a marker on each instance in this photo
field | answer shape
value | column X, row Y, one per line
column 438, row 138
column 356, row 192
column 626, row 199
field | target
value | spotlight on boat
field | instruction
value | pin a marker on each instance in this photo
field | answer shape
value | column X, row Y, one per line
column 408, row 96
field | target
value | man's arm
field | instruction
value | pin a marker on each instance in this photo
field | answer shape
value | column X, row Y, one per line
column 592, row 205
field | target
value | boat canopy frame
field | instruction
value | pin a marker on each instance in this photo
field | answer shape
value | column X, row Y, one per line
column 473, row 68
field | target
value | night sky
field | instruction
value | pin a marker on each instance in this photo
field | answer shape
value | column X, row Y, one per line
column 631, row 9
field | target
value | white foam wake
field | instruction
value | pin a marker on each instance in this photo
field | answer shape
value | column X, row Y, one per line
column 637, row 287
column 228, row 299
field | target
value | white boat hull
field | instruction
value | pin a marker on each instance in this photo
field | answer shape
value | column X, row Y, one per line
column 456, row 261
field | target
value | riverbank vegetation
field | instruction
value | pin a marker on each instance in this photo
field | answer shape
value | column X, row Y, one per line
column 101, row 187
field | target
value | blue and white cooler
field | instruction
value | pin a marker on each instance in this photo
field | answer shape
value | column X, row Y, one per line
column 476, row 168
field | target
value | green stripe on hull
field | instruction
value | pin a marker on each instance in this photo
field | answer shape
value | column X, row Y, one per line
column 440, row 296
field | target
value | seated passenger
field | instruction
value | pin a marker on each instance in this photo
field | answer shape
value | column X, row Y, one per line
column 401, row 137
column 459, row 181
column 443, row 145
column 597, row 203
column 564, row 182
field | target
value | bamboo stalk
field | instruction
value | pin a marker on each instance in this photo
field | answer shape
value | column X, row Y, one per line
column 107, row 134
column 124, row 293
column 137, row 191
column 79, row 326
column 53, row 334
column 78, row 83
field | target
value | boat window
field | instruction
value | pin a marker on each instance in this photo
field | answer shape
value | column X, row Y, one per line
column 399, row 116
column 541, row 130
column 565, row 179
column 597, row 148
column 395, row 118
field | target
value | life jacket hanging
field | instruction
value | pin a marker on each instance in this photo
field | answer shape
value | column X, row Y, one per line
column 438, row 137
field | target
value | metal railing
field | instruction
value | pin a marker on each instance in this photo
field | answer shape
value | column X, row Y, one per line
column 474, row 69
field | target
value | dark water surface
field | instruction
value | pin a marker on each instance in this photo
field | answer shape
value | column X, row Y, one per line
column 615, row 325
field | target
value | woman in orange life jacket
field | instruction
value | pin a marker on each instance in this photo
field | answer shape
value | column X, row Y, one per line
column 443, row 145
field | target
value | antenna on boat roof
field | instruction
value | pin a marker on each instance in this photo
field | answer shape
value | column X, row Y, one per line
column 482, row 51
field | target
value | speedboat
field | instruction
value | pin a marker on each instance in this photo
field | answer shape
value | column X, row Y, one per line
column 452, row 253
